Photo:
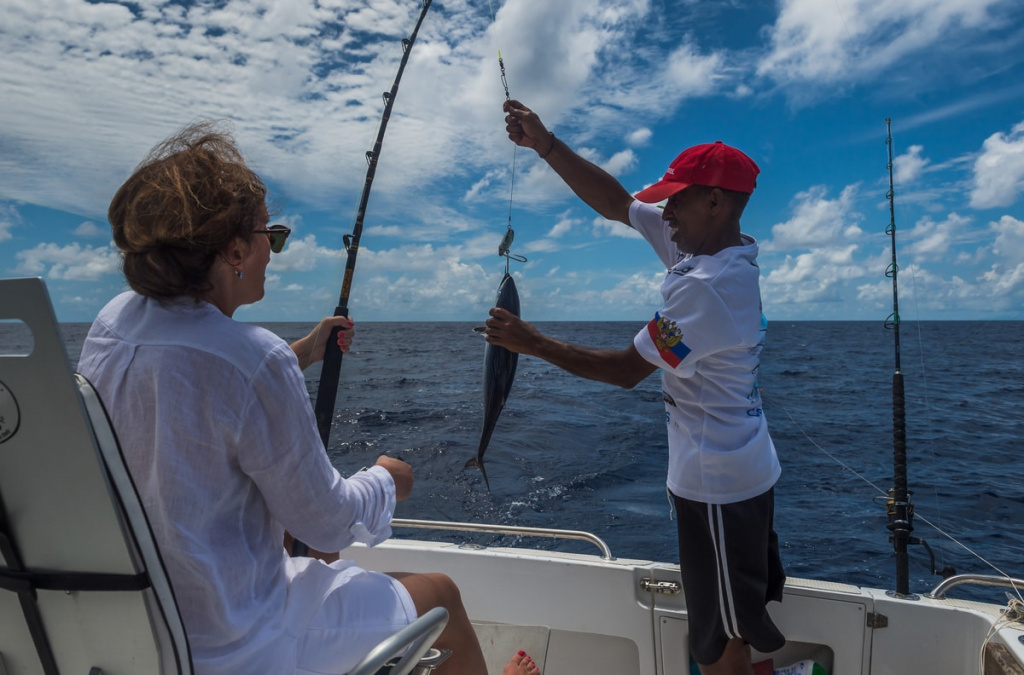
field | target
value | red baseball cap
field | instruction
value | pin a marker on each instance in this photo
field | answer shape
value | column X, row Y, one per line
column 712, row 164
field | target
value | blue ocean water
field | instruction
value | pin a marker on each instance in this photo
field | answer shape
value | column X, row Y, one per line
column 574, row 454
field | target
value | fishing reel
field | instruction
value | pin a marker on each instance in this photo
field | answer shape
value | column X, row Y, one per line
column 900, row 522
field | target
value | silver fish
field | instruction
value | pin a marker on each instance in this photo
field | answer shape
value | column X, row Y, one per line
column 499, row 372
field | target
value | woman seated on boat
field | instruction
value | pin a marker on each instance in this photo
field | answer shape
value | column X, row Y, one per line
column 215, row 423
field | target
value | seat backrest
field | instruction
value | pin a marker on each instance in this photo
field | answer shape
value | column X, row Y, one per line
column 82, row 587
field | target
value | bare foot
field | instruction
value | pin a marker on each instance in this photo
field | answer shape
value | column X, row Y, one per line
column 521, row 664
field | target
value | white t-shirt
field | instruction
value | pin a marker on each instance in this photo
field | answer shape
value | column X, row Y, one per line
column 707, row 338
column 215, row 423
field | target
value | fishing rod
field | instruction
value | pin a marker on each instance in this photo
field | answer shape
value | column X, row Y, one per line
column 331, row 369
column 899, row 508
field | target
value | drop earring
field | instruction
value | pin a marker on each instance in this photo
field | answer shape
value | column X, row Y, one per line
column 240, row 274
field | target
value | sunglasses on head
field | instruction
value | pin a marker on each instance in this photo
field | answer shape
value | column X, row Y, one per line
column 278, row 235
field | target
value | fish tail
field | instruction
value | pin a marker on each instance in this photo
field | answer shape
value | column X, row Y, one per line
column 478, row 462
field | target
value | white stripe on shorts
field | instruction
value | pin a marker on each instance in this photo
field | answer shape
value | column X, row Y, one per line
column 725, row 600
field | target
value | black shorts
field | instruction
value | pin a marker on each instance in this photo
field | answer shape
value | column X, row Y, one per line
column 731, row 569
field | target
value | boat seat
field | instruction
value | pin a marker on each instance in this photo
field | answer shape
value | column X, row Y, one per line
column 83, row 589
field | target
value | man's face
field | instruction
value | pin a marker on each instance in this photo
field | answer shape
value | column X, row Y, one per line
column 688, row 213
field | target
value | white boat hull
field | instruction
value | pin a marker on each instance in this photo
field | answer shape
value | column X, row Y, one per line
column 581, row 614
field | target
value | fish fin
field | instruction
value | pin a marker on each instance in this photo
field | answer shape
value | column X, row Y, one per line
column 479, row 463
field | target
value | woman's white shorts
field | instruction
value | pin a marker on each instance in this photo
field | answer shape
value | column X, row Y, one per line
column 357, row 616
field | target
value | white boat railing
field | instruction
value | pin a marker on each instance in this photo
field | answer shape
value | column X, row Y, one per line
column 606, row 553
column 945, row 585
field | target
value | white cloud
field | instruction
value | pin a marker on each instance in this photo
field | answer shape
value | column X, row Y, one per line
column 543, row 246
column 822, row 276
column 1009, row 242
column 920, row 289
column 89, row 87
column 987, row 279
column 1005, row 279
column 818, row 221
column 640, row 289
column 302, row 84
column 9, row 218
column 743, row 91
column 72, row 262
column 302, row 255
column 621, row 162
column 931, row 241
column 613, row 228
column 443, row 288
column 848, row 40
column 633, row 294
column 133, row 79
column 564, row 225
column 639, row 137
column 91, row 230
column 816, row 257
column 999, row 170
column 821, row 265
column 1006, row 286
column 689, row 73
column 908, row 167
column 478, row 189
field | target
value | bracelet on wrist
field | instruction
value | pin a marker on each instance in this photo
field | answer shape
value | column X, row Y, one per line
column 553, row 140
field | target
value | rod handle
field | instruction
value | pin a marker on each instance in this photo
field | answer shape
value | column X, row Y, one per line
column 326, row 396
column 327, row 391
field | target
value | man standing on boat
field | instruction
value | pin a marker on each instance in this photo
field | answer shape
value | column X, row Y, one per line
column 706, row 339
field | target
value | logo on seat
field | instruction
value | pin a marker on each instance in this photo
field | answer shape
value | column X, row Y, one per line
column 10, row 417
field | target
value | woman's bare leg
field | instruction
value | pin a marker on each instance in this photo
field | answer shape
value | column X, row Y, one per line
column 437, row 590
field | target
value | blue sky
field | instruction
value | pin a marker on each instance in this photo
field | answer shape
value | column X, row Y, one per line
column 803, row 86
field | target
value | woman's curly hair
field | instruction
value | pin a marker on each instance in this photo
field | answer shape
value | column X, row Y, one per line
column 187, row 201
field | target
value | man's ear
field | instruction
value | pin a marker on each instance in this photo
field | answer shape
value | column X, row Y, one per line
column 715, row 197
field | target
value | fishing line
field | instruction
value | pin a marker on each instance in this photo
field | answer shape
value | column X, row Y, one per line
column 835, row 459
column 884, row 494
column 930, row 442
column 927, row 401
column 504, row 248
column 967, row 548
column 843, row 18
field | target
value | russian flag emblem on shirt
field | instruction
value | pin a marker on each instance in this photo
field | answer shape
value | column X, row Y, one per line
column 668, row 340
